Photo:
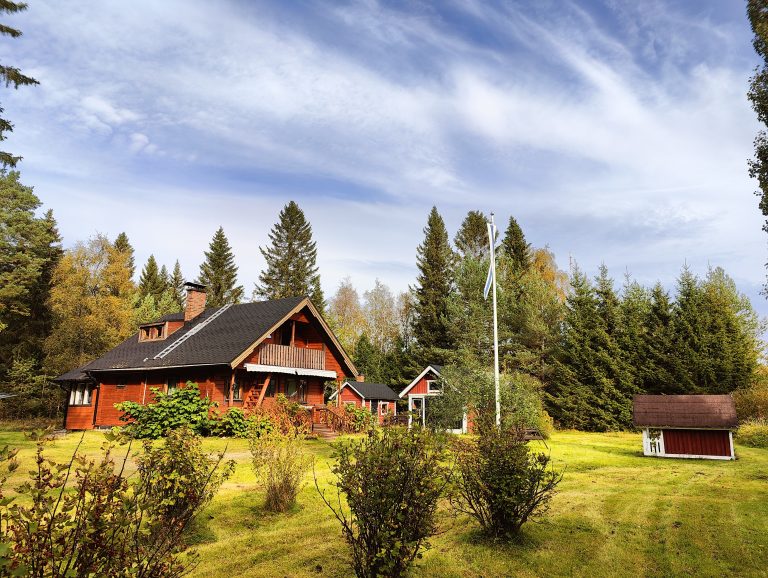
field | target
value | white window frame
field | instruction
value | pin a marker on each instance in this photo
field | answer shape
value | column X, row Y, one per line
column 383, row 407
column 430, row 389
column 80, row 395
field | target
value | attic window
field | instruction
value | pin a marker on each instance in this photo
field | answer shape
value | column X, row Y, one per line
column 153, row 332
column 434, row 386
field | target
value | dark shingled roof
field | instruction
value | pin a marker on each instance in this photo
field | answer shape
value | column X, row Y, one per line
column 684, row 411
column 218, row 343
column 373, row 390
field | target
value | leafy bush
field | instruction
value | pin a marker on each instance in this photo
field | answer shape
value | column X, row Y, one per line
column 181, row 408
column 360, row 418
column 392, row 481
column 501, row 482
column 280, row 465
column 752, row 402
column 471, row 389
column 753, row 433
column 234, row 423
column 85, row 518
column 288, row 417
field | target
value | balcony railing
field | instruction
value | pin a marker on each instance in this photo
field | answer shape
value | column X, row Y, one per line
column 287, row 356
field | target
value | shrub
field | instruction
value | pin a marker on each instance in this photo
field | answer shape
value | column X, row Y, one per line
column 180, row 408
column 392, row 481
column 752, row 402
column 501, row 482
column 85, row 518
column 753, row 433
column 360, row 418
column 289, row 417
column 280, row 465
column 234, row 423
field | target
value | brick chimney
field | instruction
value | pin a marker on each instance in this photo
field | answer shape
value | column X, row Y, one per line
column 195, row 300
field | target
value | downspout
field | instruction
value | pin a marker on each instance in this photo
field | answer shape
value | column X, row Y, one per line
column 144, row 392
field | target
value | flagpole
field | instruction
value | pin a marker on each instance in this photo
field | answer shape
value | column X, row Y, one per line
column 495, row 325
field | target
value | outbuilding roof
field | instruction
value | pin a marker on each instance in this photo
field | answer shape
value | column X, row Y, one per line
column 215, row 337
column 373, row 390
column 684, row 411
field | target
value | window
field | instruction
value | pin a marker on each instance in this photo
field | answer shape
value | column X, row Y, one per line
column 384, row 407
column 172, row 385
column 374, row 405
column 236, row 392
column 434, row 386
column 80, row 394
column 152, row 332
column 291, row 388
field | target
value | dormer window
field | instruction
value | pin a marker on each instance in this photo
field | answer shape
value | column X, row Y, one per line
column 152, row 332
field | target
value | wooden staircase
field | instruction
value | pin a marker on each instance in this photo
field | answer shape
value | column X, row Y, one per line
column 324, row 432
column 256, row 395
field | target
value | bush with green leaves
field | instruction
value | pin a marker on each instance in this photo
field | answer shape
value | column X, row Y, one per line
column 235, row 423
column 502, row 483
column 183, row 407
column 470, row 389
column 360, row 418
column 753, row 433
column 89, row 518
column 280, row 465
column 391, row 481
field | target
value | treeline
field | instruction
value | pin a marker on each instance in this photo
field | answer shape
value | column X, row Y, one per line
column 588, row 346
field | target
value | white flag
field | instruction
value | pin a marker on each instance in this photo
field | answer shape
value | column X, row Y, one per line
column 491, row 268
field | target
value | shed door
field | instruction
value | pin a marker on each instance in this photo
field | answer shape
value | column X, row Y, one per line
column 696, row 442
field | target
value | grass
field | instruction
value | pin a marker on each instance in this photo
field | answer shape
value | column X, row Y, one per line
column 617, row 514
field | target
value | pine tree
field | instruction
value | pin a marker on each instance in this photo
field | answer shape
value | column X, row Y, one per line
column 516, row 248
column 472, row 237
column 631, row 334
column 153, row 282
column 291, row 260
column 660, row 364
column 688, row 325
column 434, row 286
column 11, row 76
column 219, row 272
column 123, row 245
column 177, row 286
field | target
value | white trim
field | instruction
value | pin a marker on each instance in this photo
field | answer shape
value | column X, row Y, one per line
column 290, row 370
column 422, row 397
column 343, row 385
column 415, row 381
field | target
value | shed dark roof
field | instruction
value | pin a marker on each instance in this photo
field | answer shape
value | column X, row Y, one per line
column 373, row 390
column 218, row 343
column 684, row 411
column 77, row 374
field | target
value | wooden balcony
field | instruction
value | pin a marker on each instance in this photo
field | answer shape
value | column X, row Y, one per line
column 287, row 356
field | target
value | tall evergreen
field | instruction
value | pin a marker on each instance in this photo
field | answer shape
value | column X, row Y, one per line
column 472, row 238
column 631, row 334
column 152, row 282
column 515, row 248
column 291, row 260
column 123, row 245
column 219, row 272
column 589, row 389
column 434, row 286
column 11, row 76
column 369, row 360
column 176, row 285
column 659, row 371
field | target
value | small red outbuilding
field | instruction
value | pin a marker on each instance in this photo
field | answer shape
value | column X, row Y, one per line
column 686, row 426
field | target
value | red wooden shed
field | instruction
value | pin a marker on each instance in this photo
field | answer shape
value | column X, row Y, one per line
column 686, row 426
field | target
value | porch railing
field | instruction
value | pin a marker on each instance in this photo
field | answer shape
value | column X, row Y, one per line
column 287, row 356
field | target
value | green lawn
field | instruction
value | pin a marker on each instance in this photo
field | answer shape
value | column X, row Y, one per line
column 617, row 514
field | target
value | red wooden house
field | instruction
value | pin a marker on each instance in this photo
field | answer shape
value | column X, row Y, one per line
column 686, row 426
column 240, row 356
column 380, row 399
column 420, row 391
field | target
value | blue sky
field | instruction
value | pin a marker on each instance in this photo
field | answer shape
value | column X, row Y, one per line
column 615, row 132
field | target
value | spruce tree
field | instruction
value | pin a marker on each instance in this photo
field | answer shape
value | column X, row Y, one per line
column 515, row 248
column 11, row 76
column 123, row 245
column 472, row 238
column 291, row 260
column 151, row 281
column 660, row 364
column 368, row 360
column 176, row 286
column 434, row 286
column 219, row 272
column 688, row 325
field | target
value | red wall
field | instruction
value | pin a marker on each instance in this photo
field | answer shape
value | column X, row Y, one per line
column 348, row 395
column 421, row 385
column 697, row 442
